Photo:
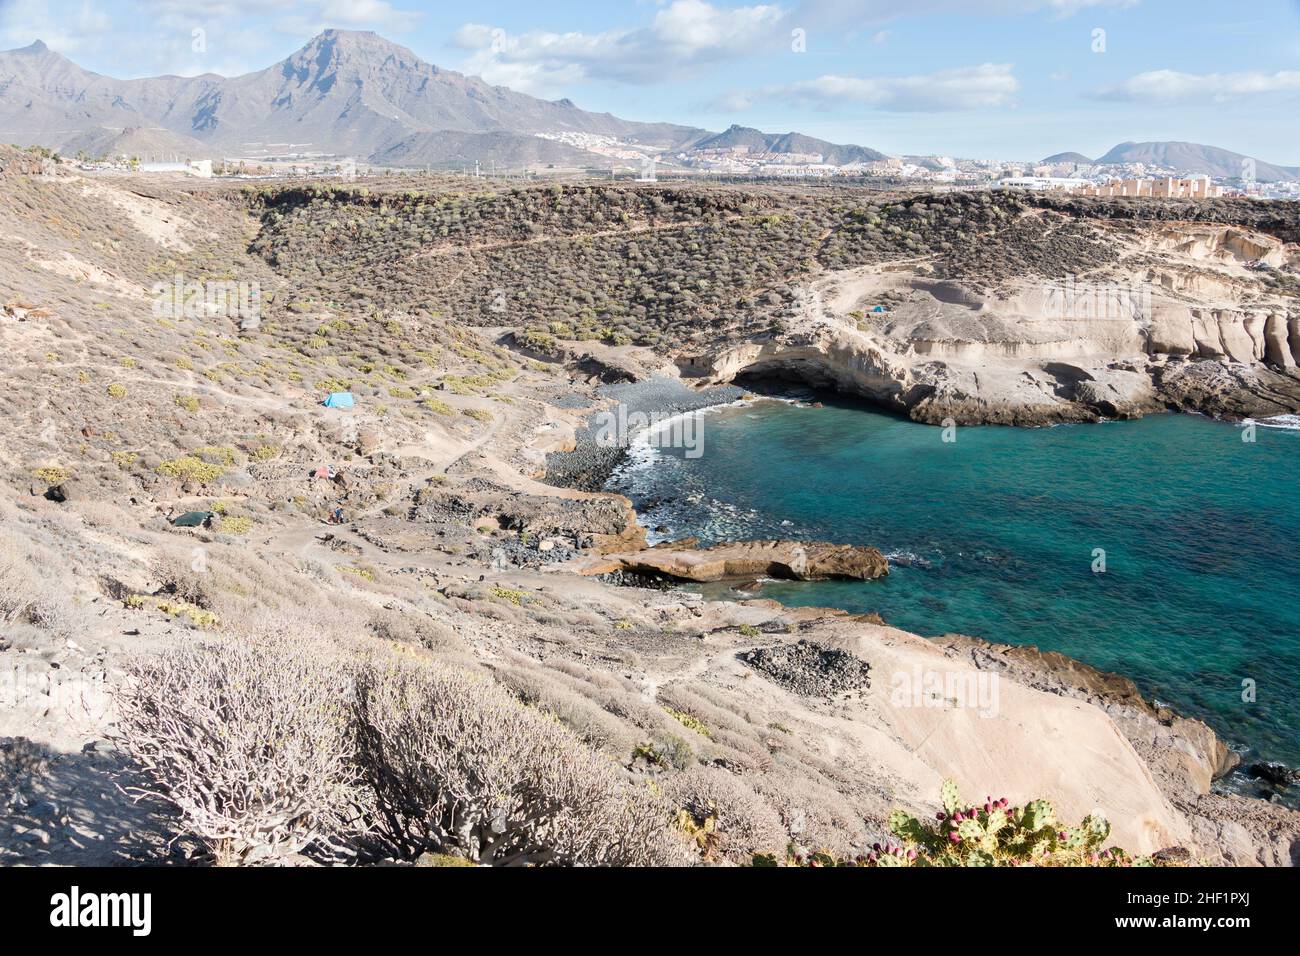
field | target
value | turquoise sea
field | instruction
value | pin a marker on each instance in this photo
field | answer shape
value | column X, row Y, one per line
column 997, row 534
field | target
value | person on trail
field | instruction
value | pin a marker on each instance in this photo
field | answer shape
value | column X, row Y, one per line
column 337, row 516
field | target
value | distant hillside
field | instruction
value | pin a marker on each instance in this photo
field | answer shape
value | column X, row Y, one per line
column 1079, row 158
column 153, row 144
column 759, row 144
column 926, row 162
column 1196, row 158
column 447, row 147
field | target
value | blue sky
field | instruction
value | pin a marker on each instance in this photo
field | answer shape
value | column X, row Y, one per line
column 990, row 78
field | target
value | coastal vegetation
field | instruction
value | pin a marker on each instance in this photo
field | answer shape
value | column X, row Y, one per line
column 274, row 746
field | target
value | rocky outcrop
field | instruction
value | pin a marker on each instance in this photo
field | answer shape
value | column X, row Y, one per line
column 1044, row 351
column 793, row 560
column 1228, row 390
column 600, row 522
column 811, row 669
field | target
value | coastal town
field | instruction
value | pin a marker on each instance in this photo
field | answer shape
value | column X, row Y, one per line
column 1070, row 174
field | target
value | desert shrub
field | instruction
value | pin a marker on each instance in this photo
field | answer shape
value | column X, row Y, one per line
column 586, row 719
column 247, row 740
column 402, row 627
column 458, row 766
column 53, row 474
column 31, row 593
column 236, row 524
column 690, row 721
column 438, row 407
column 816, row 815
column 724, row 817
column 177, row 578
column 265, row 452
column 18, row 586
column 190, row 468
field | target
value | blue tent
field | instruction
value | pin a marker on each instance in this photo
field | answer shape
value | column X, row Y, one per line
column 879, row 308
column 339, row 400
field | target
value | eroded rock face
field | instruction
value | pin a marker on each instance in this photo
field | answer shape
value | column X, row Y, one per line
column 793, row 560
column 1045, row 350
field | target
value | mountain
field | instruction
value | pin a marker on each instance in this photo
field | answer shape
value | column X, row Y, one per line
column 1078, row 158
column 345, row 93
column 767, row 144
column 149, row 144
column 1198, row 159
column 500, row 147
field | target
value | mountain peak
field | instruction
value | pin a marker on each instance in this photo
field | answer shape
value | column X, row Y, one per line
column 332, row 35
column 353, row 52
column 35, row 47
column 353, row 41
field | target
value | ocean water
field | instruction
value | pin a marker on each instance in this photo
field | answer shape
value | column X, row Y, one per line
column 1001, row 534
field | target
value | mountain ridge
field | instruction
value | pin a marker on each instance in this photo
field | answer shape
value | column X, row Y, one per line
column 1196, row 158
column 343, row 92
column 356, row 93
column 777, row 144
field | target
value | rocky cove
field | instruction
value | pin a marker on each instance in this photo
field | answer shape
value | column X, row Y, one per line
column 814, row 703
column 1183, row 756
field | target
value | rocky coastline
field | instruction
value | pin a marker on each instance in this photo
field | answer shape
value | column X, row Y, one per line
column 1186, row 758
column 592, row 460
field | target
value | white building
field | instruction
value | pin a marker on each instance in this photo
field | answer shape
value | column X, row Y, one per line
column 1041, row 183
column 198, row 167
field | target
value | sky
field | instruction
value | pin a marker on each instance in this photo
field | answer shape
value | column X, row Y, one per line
column 998, row 79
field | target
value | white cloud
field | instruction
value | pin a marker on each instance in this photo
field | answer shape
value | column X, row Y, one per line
column 1170, row 86
column 987, row 86
column 683, row 35
column 239, row 35
column 78, row 31
column 734, row 102
column 309, row 19
column 878, row 11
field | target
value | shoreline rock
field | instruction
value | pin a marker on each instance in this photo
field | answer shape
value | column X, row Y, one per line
column 747, row 560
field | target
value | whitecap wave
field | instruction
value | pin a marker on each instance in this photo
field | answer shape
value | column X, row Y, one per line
column 1289, row 423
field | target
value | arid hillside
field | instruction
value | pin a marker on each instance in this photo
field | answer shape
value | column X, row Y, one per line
column 166, row 348
column 971, row 306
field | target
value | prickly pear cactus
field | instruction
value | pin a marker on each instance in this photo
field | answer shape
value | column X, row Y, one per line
column 1038, row 815
column 948, row 794
column 992, row 833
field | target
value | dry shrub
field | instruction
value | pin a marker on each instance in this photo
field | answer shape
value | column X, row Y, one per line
column 819, row 818
column 589, row 722
column 403, row 627
column 251, row 595
column 248, row 740
column 458, row 766
column 177, row 577
column 729, row 820
column 103, row 515
column 32, row 592
column 17, row 584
